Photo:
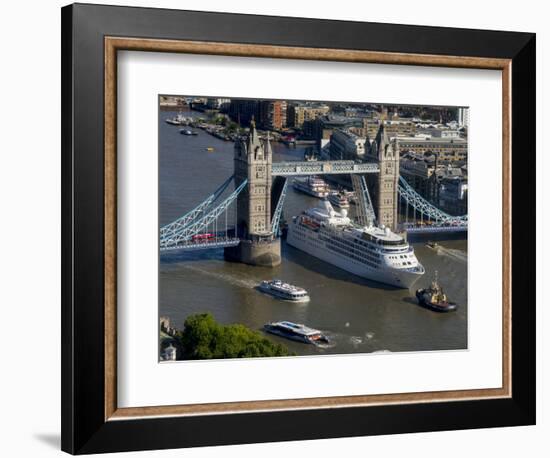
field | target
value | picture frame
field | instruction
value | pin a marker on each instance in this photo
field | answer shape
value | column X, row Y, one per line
column 92, row 35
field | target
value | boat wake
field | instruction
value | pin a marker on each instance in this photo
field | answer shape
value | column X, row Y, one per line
column 358, row 340
column 236, row 281
column 324, row 346
column 336, row 339
column 459, row 255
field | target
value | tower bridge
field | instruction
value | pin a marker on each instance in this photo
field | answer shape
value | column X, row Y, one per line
column 246, row 222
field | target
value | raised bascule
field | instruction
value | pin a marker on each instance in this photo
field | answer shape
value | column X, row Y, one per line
column 246, row 222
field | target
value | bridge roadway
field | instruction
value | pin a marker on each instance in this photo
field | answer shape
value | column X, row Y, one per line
column 297, row 168
column 435, row 229
column 216, row 242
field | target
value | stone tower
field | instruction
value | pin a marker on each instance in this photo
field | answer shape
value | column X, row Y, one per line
column 386, row 153
column 252, row 162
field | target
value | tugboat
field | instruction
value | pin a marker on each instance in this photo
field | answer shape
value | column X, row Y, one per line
column 434, row 298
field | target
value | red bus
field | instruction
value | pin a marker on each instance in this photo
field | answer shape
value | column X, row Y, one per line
column 202, row 237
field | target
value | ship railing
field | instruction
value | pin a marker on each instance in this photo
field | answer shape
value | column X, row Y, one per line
column 408, row 249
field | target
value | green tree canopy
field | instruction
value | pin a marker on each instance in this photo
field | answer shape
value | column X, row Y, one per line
column 204, row 338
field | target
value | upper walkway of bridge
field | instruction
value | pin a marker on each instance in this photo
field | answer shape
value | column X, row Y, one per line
column 297, row 168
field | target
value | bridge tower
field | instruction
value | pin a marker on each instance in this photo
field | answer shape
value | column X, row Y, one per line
column 252, row 162
column 386, row 153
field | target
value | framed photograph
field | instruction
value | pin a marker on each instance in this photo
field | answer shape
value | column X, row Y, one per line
column 284, row 228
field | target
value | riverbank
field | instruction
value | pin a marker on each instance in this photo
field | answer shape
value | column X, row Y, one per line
column 231, row 130
column 173, row 107
column 204, row 338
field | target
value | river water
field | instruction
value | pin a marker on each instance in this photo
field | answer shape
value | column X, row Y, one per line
column 358, row 316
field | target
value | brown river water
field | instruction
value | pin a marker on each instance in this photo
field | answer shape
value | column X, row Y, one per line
column 357, row 315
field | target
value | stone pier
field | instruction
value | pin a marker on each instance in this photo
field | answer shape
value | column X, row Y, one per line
column 256, row 253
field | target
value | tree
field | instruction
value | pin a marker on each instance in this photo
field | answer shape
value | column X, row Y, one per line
column 204, row 338
column 231, row 126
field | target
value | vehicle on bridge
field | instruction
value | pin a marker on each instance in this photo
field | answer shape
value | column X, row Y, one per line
column 202, row 237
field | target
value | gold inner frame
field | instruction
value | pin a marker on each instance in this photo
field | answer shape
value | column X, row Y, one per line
column 114, row 44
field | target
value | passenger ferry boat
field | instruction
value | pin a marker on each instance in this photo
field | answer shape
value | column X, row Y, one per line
column 284, row 290
column 295, row 331
column 314, row 186
column 338, row 199
column 371, row 252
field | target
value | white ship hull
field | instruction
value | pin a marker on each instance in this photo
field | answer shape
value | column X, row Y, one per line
column 280, row 295
column 311, row 244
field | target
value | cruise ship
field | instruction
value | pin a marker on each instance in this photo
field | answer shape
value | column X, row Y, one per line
column 371, row 252
column 314, row 186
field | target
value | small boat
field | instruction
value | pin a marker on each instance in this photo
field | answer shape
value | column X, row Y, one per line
column 314, row 186
column 338, row 200
column 433, row 245
column 285, row 291
column 434, row 298
column 177, row 120
column 210, row 149
column 187, row 132
column 297, row 332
